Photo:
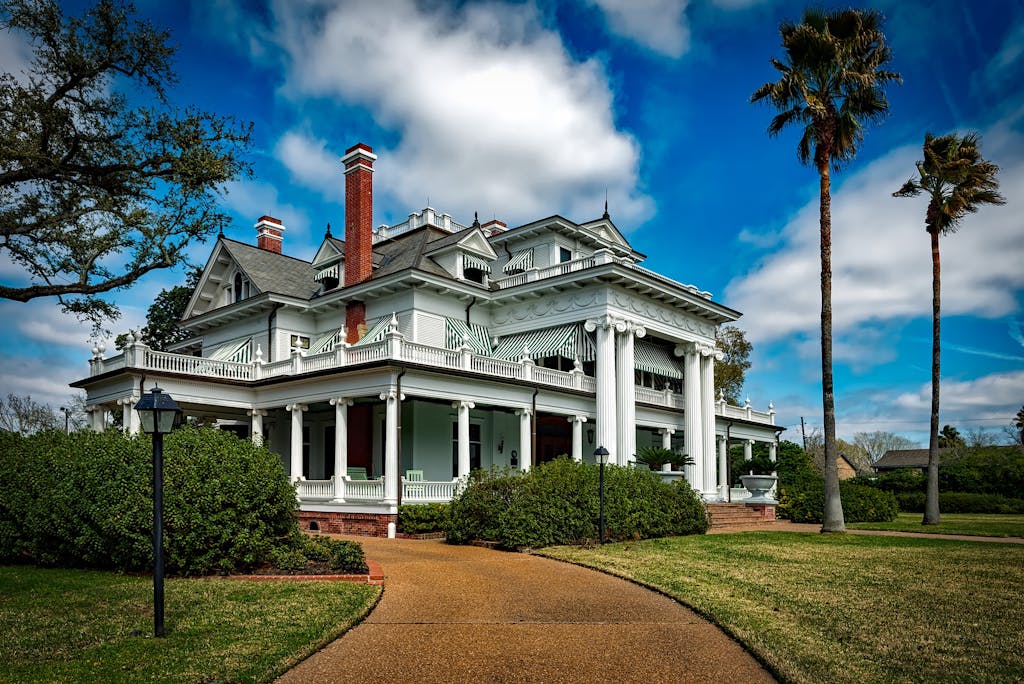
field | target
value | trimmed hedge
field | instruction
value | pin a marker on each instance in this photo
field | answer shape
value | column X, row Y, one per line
column 422, row 518
column 85, row 500
column 558, row 503
column 961, row 502
column 805, row 503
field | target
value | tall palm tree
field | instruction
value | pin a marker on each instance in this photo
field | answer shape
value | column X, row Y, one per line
column 1018, row 422
column 957, row 181
column 832, row 82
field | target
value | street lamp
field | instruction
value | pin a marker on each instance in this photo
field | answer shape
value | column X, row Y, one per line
column 602, row 457
column 67, row 428
column 157, row 412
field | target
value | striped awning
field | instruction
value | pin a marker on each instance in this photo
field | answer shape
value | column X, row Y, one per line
column 476, row 336
column 568, row 341
column 329, row 272
column 520, row 261
column 655, row 359
column 240, row 352
column 470, row 261
column 376, row 332
column 325, row 342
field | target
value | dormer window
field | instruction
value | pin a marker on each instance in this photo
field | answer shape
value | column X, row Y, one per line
column 564, row 255
column 474, row 268
column 241, row 288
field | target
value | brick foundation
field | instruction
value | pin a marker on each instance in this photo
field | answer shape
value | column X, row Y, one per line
column 362, row 524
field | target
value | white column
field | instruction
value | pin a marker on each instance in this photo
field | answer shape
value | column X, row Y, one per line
column 525, row 442
column 605, row 342
column 707, row 404
column 666, row 443
column 772, row 452
column 295, row 469
column 625, row 386
column 692, row 415
column 256, row 429
column 340, row 405
column 723, row 469
column 96, row 421
column 463, row 407
column 129, row 417
column 577, row 436
column 748, row 449
column 390, row 447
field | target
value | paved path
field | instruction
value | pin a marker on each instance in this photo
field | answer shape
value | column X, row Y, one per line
column 466, row 614
column 786, row 526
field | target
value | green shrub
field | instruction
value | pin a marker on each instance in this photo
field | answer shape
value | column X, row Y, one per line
column 85, row 500
column 962, row 502
column 422, row 518
column 805, row 503
column 558, row 503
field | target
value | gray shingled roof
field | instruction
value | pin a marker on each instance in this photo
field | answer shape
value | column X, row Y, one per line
column 905, row 458
column 271, row 272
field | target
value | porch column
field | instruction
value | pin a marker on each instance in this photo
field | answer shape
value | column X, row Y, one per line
column 525, row 445
column 340, row 405
column 692, row 414
column 390, row 447
column 295, row 467
column 723, row 469
column 463, row 408
column 772, row 452
column 666, row 443
column 707, row 399
column 96, row 421
column 748, row 449
column 129, row 418
column 577, row 436
column 257, row 426
column 605, row 371
column 625, row 386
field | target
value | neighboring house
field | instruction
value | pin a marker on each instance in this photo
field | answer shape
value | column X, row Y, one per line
column 846, row 469
column 895, row 459
column 410, row 354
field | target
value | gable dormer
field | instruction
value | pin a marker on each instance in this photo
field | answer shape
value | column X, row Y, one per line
column 466, row 255
column 329, row 262
column 223, row 282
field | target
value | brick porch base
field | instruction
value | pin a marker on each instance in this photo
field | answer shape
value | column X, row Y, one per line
column 363, row 524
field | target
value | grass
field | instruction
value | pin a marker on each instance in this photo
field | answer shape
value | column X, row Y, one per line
column 977, row 524
column 83, row 626
column 844, row 608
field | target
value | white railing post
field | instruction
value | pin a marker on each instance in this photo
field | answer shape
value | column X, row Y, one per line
column 771, row 413
column 603, row 256
column 465, row 355
column 341, row 354
column 295, row 361
column 257, row 364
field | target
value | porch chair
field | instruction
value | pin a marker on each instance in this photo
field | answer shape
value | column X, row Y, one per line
column 357, row 473
column 415, row 476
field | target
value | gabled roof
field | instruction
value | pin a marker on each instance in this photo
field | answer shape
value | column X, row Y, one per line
column 601, row 233
column 272, row 272
column 905, row 458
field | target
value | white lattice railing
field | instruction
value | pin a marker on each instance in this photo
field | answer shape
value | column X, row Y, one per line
column 197, row 365
column 364, row 490
column 429, row 492
column 315, row 489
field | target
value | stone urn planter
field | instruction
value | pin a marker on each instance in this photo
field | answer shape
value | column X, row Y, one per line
column 759, row 486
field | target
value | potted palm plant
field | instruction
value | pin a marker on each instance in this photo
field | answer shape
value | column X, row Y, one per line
column 656, row 458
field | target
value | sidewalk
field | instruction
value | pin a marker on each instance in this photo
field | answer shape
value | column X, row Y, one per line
column 466, row 614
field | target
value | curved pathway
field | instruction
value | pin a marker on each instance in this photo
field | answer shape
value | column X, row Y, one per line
column 467, row 614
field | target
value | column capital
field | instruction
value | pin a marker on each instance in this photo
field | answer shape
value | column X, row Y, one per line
column 463, row 404
column 576, row 419
column 604, row 322
column 296, row 407
column 391, row 395
column 341, row 401
column 523, row 412
column 256, row 412
column 686, row 348
column 667, row 431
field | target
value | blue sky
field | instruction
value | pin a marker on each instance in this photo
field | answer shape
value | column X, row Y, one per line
column 526, row 109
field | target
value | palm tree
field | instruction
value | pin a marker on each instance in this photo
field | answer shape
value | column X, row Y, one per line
column 957, row 181
column 1018, row 422
column 832, row 82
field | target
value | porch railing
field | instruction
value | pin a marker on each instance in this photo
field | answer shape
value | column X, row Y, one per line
column 315, row 489
column 364, row 490
column 429, row 492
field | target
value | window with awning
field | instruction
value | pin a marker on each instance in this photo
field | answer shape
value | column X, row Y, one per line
column 569, row 341
column 470, row 261
column 239, row 352
column 520, row 261
column 476, row 336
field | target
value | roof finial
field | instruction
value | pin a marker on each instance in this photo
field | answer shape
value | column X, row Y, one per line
column 328, row 234
column 476, row 220
column 606, row 215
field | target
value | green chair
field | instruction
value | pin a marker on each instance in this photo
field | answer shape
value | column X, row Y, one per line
column 357, row 473
column 415, row 476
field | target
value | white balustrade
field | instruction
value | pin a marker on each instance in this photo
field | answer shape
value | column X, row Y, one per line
column 650, row 396
column 364, row 490
column 315, row 489
column 377, row 351
column 431, row 356
column 318, row 362
column 552, row 377
column 283, row 367
column 197, row 365
column 499, row 367
column 429, row 492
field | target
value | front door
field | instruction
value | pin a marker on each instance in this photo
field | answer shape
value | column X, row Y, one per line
column 554, row 438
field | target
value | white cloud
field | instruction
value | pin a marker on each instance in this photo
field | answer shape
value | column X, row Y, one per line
column 995, row 396
column 254, row 199
column 494, row 114
column 881, row 261
column 658, row 25
column 311, row 164
column 15, row 54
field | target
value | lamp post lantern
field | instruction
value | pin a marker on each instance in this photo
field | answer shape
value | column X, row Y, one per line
column 602, row 457
column 157, row 412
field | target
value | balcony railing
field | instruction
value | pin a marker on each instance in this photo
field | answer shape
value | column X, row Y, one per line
column 372, row 491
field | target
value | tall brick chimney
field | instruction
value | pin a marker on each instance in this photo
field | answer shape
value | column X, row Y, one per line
column 269, row 234
column 358, row 161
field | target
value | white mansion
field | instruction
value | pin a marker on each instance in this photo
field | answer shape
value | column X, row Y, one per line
column 404, row 356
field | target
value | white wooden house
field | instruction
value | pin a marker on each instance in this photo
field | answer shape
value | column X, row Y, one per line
column 429, row 348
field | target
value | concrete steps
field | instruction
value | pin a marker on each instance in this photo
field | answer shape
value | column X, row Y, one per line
column 737, row 514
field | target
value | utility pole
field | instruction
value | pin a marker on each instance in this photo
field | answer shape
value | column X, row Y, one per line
column 803, row 433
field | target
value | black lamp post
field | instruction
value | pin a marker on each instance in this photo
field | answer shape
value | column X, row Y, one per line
column 157, row 412
column 67, row 428
column 602, row 457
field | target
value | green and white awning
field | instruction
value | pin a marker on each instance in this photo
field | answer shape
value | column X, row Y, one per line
column 470, row 261
column 325, row 342
column 569, row 341
column 375, row 333
column 655, row 359
column 520, row 261
column 475, row 336
column 239, row 352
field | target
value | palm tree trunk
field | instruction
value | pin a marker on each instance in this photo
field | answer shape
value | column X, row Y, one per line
column 832, row 517
column 931, row 502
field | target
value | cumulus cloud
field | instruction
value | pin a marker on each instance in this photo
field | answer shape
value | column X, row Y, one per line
column 256, row 198
column 493, row 112
column 15, row 55
column 310, row 163
column 658, row 25
column 995, row 396
column 881, row 262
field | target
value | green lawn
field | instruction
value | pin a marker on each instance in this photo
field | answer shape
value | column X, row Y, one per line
column 979, row 524
column 844, row 608
column 82, row 626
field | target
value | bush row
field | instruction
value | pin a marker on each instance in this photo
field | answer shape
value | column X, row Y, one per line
column 558, row 503
column 342, row 556
column 961, row 502
column 422, row 518
column 85, row 500
column 805, row 503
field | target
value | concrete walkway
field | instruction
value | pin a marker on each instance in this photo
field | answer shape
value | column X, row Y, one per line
column 465, row 614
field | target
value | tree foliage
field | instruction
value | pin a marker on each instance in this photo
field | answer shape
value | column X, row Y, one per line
column 831, row 82
column 96, row 188
column 25, row 416
column 950, row 438
column 731, row 370
column 164, row 314
column 1018, row 423
column 875, row 444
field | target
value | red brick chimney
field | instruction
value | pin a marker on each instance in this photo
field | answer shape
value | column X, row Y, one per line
column 358, row 161
column 493, row 227
column 269, row 232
